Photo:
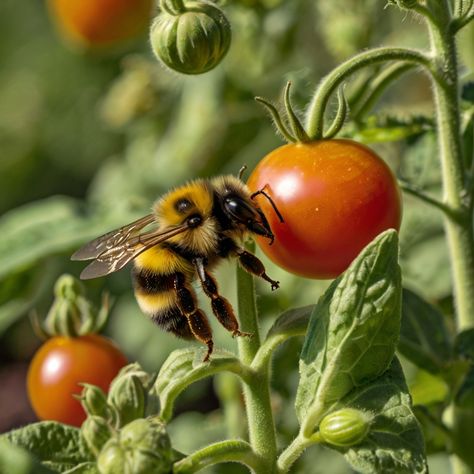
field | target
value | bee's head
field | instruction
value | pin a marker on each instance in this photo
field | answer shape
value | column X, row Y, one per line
column 239, row 209
column 244, row 211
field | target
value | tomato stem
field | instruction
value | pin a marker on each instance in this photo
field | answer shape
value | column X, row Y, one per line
column 377, row 86
column 315, row 116
column 432, row 201
column 295, row 450
column 222, row 451
column 257, row 390
column 456, row 194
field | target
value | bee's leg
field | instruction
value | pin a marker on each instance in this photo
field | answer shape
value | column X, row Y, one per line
column 221, row 308
column 253, row 265
column 186, row 300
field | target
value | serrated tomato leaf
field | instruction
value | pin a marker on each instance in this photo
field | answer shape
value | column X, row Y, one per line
column 56, row 445
column 184, row 367
column 353, row 331
column 395, row 442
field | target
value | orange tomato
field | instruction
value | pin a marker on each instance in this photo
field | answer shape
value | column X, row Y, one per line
column 100, row 22
column 60, row 365
column 335, row 197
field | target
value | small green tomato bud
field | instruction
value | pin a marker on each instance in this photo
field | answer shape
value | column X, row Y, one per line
column 345, row 427
column 193, row 41
column 93, row 400
column 127, row 395
column 147, row 446
column 96, row 432
column 142, row 447
column 111, row 459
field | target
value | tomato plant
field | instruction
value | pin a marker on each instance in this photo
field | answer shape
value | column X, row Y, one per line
column 335, row 196
column 60, row 365
column 100, row 22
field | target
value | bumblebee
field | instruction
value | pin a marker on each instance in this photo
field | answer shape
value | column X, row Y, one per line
column 194, row 227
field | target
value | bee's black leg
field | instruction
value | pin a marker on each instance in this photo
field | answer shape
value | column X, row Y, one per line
column 186, row 300
column 253, row 265
column 221, row 308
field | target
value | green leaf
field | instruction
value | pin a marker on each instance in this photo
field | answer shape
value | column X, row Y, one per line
column 427, row 388
column 395, row 441
column 16, row 460
column 378, row 129
column 437, row 435
column 423, row 252
column 353, row 331
column 46, row 227
column 56, row 445
column 424, row 336
column 184, row 367
column 291, row 323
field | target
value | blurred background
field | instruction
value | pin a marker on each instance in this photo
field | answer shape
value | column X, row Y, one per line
column 91, row 136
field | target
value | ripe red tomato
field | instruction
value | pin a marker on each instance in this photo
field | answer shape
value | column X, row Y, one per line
column 335, row 197
column 100, row 22
column 60, row 365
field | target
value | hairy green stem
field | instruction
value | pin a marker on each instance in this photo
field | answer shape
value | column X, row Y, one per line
column 378, row 86
column 257, row 390
column 295, row 450
column 459, row 233
column 419, row 194
column 315, row 117
column 217, row 365
column 223, row 451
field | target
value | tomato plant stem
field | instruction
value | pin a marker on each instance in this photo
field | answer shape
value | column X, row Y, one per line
column 257, row 390
column 377, row 86
column 294, row 451
column 456, row 195
column 223, row 451
column 315, row 117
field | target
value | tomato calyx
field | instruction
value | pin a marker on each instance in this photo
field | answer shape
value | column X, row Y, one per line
column 71, row 314
column 290, row 126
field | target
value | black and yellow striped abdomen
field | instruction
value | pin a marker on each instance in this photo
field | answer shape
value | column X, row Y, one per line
column 154, row 277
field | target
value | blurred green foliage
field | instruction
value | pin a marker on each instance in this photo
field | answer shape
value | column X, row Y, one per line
column 89, row 140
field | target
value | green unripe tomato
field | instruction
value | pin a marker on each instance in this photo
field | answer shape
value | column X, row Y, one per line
column 96, row 432
column 127, row 396
column 142, row 447
column 93, row 400
column 345, row 427
column 193, row 41
column 111, row 459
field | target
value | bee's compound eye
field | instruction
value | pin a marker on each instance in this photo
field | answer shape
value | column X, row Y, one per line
column 239, row 209
column 194, row 221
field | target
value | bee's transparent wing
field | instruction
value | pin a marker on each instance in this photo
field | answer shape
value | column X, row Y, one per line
column 114, row 258
column 112, row 239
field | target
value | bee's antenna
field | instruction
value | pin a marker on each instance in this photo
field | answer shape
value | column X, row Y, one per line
column 261, row 191
column 241, row 171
